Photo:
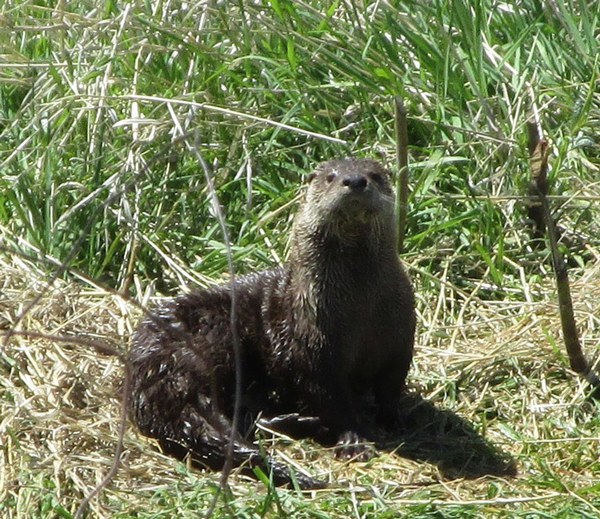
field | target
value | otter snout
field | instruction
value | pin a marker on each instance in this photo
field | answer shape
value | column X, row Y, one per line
column 355, row 182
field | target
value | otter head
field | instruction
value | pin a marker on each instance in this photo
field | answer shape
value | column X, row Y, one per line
column 348, row 199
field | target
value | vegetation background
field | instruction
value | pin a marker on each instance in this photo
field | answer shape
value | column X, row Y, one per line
column 103, row 106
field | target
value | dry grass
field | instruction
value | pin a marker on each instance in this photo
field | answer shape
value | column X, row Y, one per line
column 493, row 369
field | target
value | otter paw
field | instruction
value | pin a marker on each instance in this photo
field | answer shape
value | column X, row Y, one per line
column 351, row 446
column 282, row 476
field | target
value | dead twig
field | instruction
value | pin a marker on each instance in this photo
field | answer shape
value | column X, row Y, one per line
column 538, row 149
column 402, row 167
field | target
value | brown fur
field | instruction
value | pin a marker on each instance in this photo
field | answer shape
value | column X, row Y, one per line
column 331, row 327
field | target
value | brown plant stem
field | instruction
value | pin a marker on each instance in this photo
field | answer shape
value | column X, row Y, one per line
column 402, row 167
column 538, row 149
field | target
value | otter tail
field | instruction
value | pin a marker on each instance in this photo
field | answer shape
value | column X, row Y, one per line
column 204, row 440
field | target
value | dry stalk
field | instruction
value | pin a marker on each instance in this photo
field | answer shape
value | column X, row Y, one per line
column 538, row 149
column 402, row 167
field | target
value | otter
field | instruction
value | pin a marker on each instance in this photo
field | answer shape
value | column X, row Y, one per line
column 330, row 328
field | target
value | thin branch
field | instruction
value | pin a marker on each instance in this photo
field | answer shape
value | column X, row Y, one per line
column 402, row 167
column 234, row 113
column 233, row 319
column 538, row 149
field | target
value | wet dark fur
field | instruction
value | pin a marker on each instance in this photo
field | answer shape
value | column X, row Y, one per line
column 331, row 327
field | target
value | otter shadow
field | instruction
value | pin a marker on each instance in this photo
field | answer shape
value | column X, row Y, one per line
column 423, row 433
column 446, row 440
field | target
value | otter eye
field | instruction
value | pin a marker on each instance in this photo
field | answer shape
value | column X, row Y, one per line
column 376, row 177
column 330, row 177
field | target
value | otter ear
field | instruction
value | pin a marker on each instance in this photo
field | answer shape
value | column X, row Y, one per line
column 310, row 177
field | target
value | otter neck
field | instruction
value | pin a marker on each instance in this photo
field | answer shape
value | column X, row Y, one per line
column 346, row 242
column 328, row 270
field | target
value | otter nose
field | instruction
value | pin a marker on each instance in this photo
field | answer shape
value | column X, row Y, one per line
column 355, row 182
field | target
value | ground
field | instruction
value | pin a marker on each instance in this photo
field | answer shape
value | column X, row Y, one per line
column 499, row 426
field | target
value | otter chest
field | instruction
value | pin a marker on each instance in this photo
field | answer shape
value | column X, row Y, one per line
column 358, row 345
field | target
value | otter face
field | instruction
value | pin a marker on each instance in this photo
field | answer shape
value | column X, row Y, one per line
column 355, row 189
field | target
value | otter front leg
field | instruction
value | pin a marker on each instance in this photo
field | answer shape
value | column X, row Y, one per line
column 339, row 412
column 388, row 389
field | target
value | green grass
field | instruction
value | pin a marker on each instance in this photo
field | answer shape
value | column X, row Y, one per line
column 94, row 173
column 82, row 168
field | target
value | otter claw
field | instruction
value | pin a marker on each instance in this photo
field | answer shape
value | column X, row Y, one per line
column 351, row 446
